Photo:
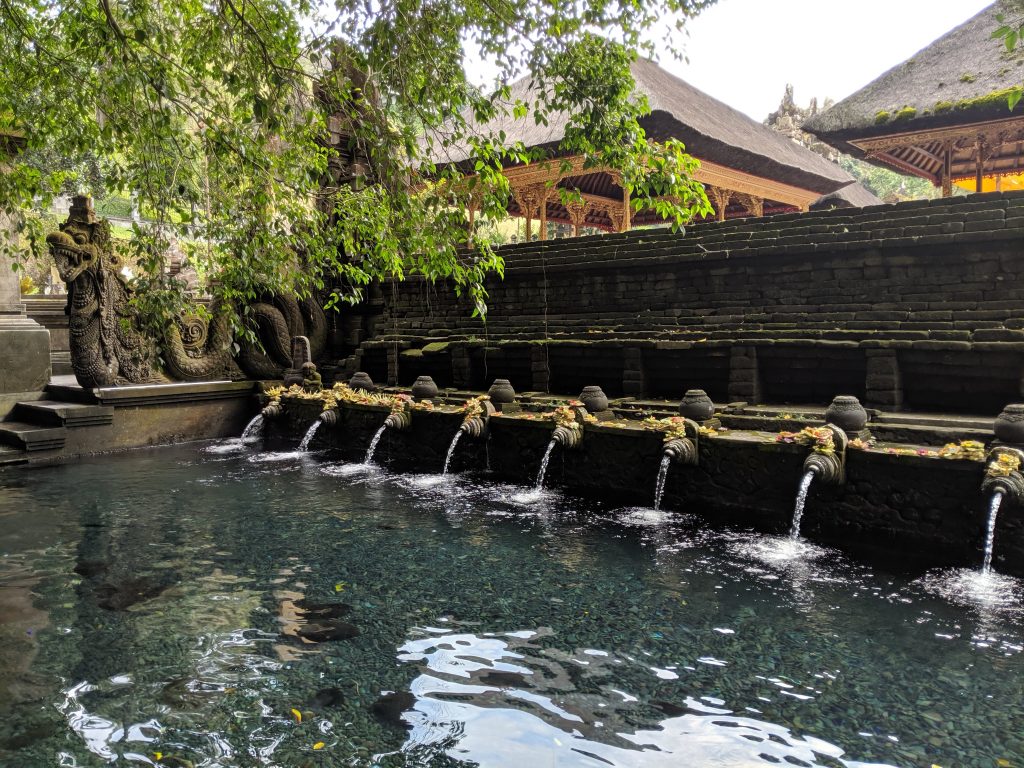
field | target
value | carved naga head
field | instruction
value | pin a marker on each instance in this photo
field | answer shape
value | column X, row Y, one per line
column 82, row 243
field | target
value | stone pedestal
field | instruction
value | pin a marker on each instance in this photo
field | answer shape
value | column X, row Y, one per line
column 884, row 386
column 24, row 344
column 633, row 380
column 744, row 376
column 539, row 370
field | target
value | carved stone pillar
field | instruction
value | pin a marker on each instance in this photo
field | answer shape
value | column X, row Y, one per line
column 24, row 344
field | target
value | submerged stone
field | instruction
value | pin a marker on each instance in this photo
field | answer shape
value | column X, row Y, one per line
column 91, row 568
column 389, row 708
column 327, row 698
column 120, row 596
column 332, row 630
column 323, row 610
column 503, row 679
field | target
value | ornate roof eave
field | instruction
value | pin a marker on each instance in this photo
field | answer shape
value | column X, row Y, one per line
column 992, row 129
column 707, row 173
column 992, row 135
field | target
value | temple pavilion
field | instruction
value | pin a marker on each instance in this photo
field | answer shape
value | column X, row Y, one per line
column 746, row 168
column 942, row 114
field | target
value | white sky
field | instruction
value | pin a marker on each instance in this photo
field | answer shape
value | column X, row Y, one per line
column 744, row 52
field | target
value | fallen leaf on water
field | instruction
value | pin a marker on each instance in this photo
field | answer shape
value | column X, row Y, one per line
column 298, row 715
column 318, row 745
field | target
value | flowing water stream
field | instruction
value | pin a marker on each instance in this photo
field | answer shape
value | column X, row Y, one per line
column 539, row 485
column 659, row 485
column 253, row 430
column 798, row 507
column 373, row 444
column 308, row 437
column 451, row 451
column 990, row 531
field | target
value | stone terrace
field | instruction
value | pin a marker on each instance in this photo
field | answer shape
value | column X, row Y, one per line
column 918, row 304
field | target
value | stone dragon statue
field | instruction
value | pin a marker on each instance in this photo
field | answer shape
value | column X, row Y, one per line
column 108, row 347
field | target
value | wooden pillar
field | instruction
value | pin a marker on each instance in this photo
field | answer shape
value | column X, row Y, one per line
column 627, row 223
column 531, row 198
column 577, row 215
column 753, row 204
column 543, row 209
column 947, row 165
column 720, row 199
column 979, row 168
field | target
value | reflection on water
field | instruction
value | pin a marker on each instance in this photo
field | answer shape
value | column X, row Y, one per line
column 497, row 700
column 195, row 605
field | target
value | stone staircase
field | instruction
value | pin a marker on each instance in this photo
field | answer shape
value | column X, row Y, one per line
column 43, row 425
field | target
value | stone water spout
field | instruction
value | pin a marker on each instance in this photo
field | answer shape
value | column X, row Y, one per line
column 399, row 419
column 273, row 410
column 567, row 437
column 1003, row 479
column 476, row 427
column 684, row 450
column 329, row 417
column 830, row 468
column 1003, row 473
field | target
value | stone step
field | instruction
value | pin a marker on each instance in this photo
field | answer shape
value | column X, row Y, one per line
column 68, row 391
column 32, row 437
column 937, row 420
column 54, row 413
column 60, row 363
column 10, row 455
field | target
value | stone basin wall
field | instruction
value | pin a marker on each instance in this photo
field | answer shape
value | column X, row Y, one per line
column 918, row 305
column 924, row 511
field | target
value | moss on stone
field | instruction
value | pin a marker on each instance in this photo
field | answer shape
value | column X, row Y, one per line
column 882, row 117
column 435, row 347
column 411, row 353
column 967, row 77
column 943, row 106
column 906, row 113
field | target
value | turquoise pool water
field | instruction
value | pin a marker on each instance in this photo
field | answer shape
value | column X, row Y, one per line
column 217, row 606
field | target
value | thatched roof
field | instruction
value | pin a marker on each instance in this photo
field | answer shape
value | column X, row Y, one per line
column 710, row 130
column 961, row 78
column 855, row 195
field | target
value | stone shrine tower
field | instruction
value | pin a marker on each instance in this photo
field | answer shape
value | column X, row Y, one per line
column 24, row 344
